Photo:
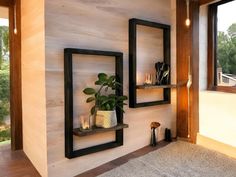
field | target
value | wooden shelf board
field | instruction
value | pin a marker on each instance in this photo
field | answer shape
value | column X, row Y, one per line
column 155, row 86
column 95, row 130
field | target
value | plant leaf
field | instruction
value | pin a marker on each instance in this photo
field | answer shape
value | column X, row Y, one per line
column 112, row 95
column 92, row 110
column 102, row 76
column 111, row 79
column 89, row 91
column 108, row 107
column 90, row 99
column 99, row 82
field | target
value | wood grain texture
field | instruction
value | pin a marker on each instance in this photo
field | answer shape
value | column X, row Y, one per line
column 194, row 100
column 15, row 77
column 149, row 51
column 183, row 51
column 187, row 46
column 71, row 24
column 6, row 3
column 203, row 2
column 15, row 164
column 33, row 83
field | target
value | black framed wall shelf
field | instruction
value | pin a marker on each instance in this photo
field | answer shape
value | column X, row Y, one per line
column 70, row 131
column 133, row 85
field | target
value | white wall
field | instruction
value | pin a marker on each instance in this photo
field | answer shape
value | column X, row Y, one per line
column 33, row 84
column 101, row 25
column 217, row 111
column 218, row 116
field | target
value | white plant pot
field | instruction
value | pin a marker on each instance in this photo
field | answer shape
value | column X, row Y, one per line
column 106, row 119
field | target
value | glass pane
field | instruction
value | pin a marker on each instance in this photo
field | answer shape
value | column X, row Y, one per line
column 4, row 78
column 226, row 45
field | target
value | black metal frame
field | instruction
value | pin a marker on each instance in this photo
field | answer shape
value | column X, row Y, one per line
column 68, row 76
column 133, row 64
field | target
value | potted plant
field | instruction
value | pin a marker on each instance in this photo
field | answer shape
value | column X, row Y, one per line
column 105, row 102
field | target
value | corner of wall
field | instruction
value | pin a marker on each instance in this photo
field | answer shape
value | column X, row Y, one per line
column 33, row 83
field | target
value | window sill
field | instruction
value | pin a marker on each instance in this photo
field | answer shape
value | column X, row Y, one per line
column 223, row 89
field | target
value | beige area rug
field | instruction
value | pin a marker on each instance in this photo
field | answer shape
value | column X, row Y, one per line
column 178, row 159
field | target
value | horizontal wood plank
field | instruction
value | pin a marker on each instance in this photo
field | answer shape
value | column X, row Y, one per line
column 6, row 3
column 154, row 86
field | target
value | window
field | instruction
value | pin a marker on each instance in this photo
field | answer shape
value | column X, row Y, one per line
column 222, row 46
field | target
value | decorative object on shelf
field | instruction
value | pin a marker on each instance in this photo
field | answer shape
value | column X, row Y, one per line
column 70, row 130
column 85, row 123
column 154, row 126
column 164, row 29
column 148, row 79
column 106, row 119
column 162, row 73
column 168, row 136
column 105, row 103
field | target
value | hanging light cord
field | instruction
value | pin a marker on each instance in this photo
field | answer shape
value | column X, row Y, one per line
column 187, row 21
column 15, row 24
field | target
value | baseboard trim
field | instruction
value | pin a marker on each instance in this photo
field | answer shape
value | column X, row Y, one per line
column 216, row 145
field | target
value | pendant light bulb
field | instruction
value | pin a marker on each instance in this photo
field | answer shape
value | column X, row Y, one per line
column 187, row 22
column 15, row 23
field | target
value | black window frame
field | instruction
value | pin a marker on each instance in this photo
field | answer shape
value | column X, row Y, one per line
column 212, row 48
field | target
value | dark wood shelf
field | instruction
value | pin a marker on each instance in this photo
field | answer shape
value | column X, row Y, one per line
column 95, row 130
column 155, row 86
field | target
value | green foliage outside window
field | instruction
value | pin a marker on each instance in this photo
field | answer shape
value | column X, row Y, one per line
column 4, row 83
column 226, row 50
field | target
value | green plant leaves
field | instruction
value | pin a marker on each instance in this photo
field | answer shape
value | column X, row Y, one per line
column 89, row 91
column 99, row 82
column 102, row 76
column 90, row 99
column 92, row 111
column 102, row 100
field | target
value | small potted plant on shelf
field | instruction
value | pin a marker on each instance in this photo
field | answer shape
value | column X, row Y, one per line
column 105, row 102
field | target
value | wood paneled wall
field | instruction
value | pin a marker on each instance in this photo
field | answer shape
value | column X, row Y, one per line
column 202, row 2
column 33, row 83
column 187, row 47
column 101, row 25
column 6, row 3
